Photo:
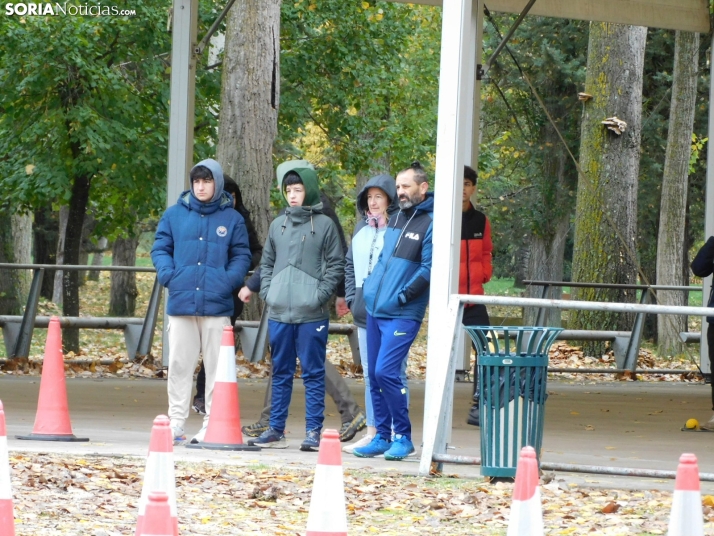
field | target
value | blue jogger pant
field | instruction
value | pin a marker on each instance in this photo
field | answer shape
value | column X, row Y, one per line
column 308, row 342
column 388, row 343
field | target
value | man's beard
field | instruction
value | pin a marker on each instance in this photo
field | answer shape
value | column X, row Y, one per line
column 409, row 202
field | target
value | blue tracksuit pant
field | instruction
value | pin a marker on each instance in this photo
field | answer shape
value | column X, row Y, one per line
column 308, row 342
column 388, row 343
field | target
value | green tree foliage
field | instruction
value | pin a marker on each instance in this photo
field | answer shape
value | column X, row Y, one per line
column 519, row 193
column 363, row 75
column 84, row 121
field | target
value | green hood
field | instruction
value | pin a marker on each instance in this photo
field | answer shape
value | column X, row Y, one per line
column 312, row 190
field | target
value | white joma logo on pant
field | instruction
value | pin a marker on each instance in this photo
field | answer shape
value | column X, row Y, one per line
column 320, row 328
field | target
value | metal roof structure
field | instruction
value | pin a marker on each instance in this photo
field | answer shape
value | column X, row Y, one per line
column 688, row 15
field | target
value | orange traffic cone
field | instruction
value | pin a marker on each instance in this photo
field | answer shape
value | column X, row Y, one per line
column 327, row 505
column 158, row 520
column 7, row 518
column 223, row 431
column 686, row 517
column 52, row 419
column 159, row 473
column 526, row 510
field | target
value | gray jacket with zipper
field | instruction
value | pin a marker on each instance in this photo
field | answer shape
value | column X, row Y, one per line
column 302, row 264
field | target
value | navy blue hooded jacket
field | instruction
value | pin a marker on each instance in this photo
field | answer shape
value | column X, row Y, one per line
column 398, row 286
column 201, row 252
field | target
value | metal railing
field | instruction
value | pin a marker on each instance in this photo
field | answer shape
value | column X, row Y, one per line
column 439, row 393
column 138, row 333
column 626, row 345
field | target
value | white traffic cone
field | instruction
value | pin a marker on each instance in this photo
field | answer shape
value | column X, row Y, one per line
column 328, row 516
column 686, row 518
column 158, row 520
column 7, row 517
column 526, row 509
column 159, row 474
column 224, row 429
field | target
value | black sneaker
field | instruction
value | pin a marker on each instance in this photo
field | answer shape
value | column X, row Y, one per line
column 254, row 430
column 312, row 441
column 474, row 417
column 199, row 405
column 350, row 428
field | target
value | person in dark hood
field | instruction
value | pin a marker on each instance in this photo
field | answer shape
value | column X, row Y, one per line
column 376, row 203
column 302, row 264
column 201, row 255
column 703, row 266
column 395, row 296
column 256, row 250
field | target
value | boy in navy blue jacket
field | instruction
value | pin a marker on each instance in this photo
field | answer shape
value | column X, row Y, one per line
column 201, row 255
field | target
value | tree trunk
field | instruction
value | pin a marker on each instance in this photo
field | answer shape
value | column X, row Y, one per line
column 249, row 109
column 98, row 258
column 606, row 211
column 122, row 301
column 86, row 246
column 547, row 245
column 59, row 257
column 670, row 242
column 73, row 241
column 22, row 251
column 46, row 233
column 15, row 240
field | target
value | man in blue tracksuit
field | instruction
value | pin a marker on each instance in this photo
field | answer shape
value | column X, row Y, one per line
column 396, row 296
column 201, row 255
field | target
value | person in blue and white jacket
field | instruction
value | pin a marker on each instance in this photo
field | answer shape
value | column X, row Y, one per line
column 376, row 203
column 201, row 255
column 396, row 295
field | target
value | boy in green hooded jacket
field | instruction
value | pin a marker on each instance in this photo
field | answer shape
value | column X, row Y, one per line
column 302, row 264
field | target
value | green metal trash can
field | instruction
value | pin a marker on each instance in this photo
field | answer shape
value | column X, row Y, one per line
column 513, row 370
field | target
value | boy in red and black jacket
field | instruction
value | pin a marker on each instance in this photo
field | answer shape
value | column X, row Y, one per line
column 476, row 266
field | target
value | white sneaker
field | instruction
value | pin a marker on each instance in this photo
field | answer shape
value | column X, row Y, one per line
column 363, row 442
column 709, row 425
column 179, row 436
column 200, row 436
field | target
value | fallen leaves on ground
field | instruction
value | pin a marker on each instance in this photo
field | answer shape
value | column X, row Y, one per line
column 99, row 496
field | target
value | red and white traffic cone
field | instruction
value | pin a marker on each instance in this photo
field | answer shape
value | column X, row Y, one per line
column 526, row 509
column 224, row 431
column 328, row 516
column 159, row 474
column 7, row 517
column 158, row 520
column 52, row 421
column 686, row 518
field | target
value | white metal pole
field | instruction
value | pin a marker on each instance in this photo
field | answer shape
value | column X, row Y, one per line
column 456, row 83
column 708, row 212
column 181, row 110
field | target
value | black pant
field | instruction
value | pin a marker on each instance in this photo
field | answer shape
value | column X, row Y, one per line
column 710, row 342
column 476, row 315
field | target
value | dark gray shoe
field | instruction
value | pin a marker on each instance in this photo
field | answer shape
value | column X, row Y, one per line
column 474, row 417
column 312, row 441
column 349, row 429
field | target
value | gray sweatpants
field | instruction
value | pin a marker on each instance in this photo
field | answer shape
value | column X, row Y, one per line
column 190, row 336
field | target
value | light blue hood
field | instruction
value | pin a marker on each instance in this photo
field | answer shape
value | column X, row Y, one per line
column 217, row 172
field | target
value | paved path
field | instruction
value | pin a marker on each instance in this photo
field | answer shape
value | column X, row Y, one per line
column 622, row 424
